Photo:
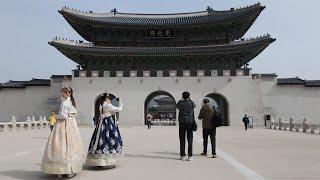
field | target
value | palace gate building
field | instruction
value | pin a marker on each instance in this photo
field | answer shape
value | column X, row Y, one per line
column 142, row 58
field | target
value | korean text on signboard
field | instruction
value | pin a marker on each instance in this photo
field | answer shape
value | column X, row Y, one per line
column 167, row 33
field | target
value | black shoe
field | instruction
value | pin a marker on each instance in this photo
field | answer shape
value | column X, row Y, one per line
column 203, row 154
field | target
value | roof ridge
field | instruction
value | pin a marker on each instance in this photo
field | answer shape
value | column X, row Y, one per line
column 115, row 13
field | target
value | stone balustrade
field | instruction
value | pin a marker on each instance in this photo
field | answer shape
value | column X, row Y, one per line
column 30, row 123
column 291, row 125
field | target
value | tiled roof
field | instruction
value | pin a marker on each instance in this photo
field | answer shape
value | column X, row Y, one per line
column 23, row 84
column 117, row 18
column 266, row 75
column 61, row 76
column 290, row 81
column 312, row 83
column 68, row 47
column 164, row 99
column 298, row 81
column 38, row 82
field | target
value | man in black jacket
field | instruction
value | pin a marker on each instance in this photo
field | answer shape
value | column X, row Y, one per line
column 186, row 119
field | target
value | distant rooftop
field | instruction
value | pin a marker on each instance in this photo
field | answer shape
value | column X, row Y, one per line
column 23, row 84
column 298, row 81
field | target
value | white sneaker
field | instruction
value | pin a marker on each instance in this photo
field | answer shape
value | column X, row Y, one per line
column 190, row 159
column 183, row 158
column 60, row 176
column 71, row 175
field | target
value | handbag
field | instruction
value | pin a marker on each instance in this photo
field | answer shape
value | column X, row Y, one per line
column 194, row 124
column 217, row 119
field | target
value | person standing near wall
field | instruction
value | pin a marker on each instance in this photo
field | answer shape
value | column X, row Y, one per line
column 208, row 128
column 245, row 120
column 52, row 120
column 149, row 121
column 186, row 120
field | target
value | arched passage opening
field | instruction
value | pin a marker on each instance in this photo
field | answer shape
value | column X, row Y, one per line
column 161, row 105
column 221, row 104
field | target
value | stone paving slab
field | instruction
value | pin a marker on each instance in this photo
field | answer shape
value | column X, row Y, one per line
column 256, row 154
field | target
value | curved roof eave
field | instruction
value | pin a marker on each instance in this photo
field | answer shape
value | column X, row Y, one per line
column 66, row 46
column 160, row 19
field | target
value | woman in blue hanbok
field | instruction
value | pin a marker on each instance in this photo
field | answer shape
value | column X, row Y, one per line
column 105, row 147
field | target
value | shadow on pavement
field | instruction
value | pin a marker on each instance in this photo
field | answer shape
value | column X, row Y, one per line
column 174, row 154
column 98, row 168
column 149, row 156
column 26, row 175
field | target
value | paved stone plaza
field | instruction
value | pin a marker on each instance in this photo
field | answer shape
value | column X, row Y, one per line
column 256, row 154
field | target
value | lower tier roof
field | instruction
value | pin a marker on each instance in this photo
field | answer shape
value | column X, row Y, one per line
column 75, row 50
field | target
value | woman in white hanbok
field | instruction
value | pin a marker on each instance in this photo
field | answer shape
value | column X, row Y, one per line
column 64, row 153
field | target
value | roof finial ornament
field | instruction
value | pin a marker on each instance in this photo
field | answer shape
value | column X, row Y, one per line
column 114, row 11
column 209, row 9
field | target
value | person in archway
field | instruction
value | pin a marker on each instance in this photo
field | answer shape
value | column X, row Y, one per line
column 186, row 120
column 245, row 120
column 208, row 127
column 105, row 148
column 149, row 121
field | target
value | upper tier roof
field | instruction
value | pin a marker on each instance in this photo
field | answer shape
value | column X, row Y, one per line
column 209, row 15
column 83, row 22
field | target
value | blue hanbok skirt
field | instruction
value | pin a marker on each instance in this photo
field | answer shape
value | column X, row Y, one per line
column 105, row 147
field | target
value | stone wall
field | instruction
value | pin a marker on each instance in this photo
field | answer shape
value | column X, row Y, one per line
column 29, row 101
column 255, row 97
column 240, row 93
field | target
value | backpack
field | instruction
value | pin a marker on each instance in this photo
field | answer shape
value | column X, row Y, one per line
column 217, row 119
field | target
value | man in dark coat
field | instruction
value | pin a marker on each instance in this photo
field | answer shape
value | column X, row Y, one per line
column 186, row 119
column 208, row 128
column 245, row 120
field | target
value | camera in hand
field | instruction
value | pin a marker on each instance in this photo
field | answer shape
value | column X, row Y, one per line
column 117, row 99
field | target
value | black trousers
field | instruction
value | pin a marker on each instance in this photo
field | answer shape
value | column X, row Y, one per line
column 185, row 130
column 51, row 127
column 206, row 133
column 246, row 126
column 149, row 124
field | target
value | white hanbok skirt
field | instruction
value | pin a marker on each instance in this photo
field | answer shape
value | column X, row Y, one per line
column 64, row 151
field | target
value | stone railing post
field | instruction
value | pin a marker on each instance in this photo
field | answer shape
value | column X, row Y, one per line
column 280, row 123
column 291, row 124
column 305, row 124
column 272, row 123
column 13, row 119
column 28, row 122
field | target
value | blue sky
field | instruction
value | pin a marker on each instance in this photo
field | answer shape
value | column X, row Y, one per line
column 28, row 25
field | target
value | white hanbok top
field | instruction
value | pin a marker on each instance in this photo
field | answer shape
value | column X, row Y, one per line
column 66, row 110
column 107, row 109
